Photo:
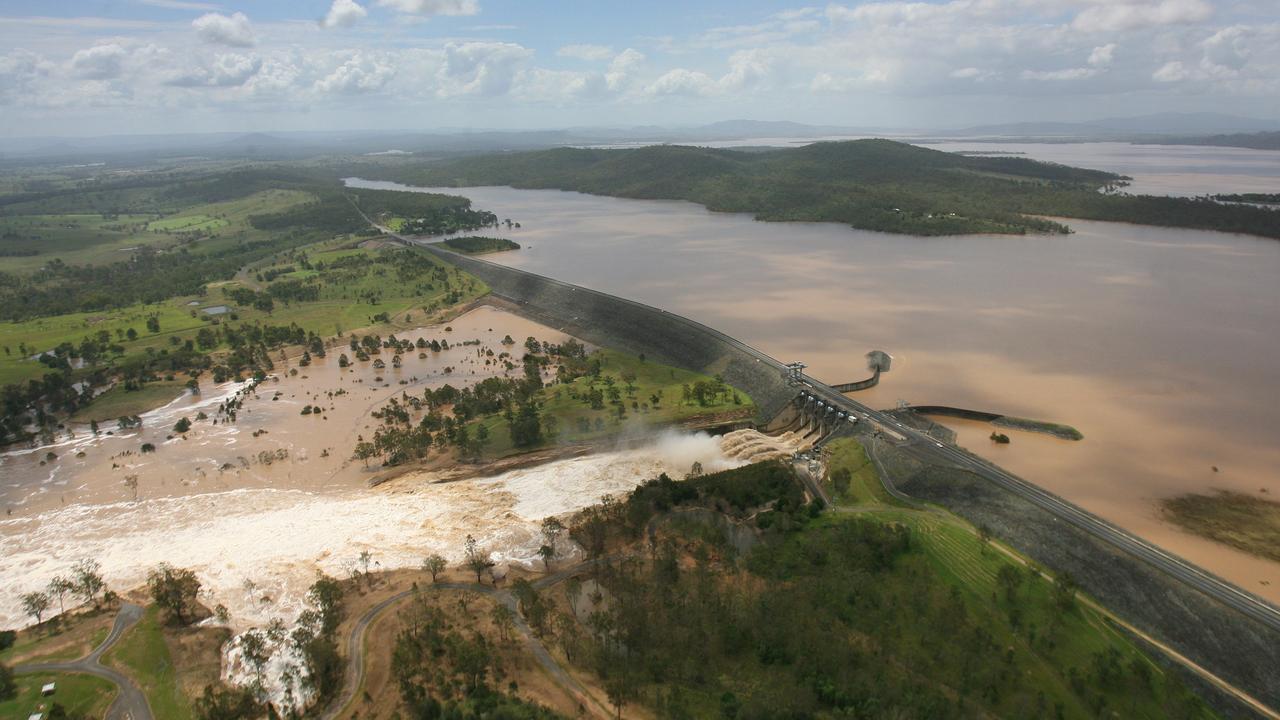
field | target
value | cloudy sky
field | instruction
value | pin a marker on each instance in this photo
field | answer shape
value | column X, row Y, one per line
column 79, row 67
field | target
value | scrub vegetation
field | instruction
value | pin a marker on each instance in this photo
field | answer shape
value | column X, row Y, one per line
column 868, row 184
column 561, row 394
column 1245, row 522
column 870, row 609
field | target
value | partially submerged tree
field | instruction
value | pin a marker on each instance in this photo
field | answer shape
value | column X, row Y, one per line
column 174, row 589
column 88, row 581
column 478, row 560
column 35, row 604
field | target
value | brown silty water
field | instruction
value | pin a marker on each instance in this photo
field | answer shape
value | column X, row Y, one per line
column 1158, row 344
column 256, row 513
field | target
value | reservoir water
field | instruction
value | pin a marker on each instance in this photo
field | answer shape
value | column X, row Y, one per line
column 1160, row 345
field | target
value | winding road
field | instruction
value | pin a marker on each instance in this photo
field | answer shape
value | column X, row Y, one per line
column 130, row 704
column 355, row 650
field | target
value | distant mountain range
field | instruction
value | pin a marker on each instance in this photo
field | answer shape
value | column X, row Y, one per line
column 1184, row 128
column 1157, row 124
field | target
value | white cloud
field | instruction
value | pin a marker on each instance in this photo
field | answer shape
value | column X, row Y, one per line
column 178, row 4
column 480, row 68
column 1228, row 50
column 1059, row 75
column 1103, row 55
column 623, row 68
column 226, row 70
column 344, row 13
column 100, row 62
column 233, row 30
column 1171, row 72
column 433, row 7
column 362, row 73
column 1122, row 16
column 594, row 53
column 682, row 81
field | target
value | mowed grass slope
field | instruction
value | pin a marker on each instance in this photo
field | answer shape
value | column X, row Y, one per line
column 1058, row 650
column 143, row 655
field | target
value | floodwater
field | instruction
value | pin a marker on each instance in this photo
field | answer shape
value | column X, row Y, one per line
column 1182, row 170
column 1159, row 345
column 256, row 513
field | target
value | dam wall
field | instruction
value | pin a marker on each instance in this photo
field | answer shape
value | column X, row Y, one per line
column 634, row 328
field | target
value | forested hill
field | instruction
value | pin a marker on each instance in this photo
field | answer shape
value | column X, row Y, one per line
column 869, row 184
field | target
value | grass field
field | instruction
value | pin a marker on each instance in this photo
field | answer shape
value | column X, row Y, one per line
column 650, row 379
column 119, row 402
column 143, row 655
column 79, row 237
column 348, row 301
column 80, row 695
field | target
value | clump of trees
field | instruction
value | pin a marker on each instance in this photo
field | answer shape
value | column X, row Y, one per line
column 174, row 590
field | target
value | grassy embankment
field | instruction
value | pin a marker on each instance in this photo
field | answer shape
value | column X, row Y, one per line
column 66, row 637
column 868, row 184
column 872, row 609
column 1244, row 522
column 171, row 665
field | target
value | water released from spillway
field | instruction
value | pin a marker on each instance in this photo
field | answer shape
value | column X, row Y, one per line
column 1159, row 344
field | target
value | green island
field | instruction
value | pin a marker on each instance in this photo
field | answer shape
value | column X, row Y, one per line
column 477, row 245
column 869, row 184
column 1263, row 198
column 1245, row 522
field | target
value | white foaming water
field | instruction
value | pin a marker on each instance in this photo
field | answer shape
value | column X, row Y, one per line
column 258, row 550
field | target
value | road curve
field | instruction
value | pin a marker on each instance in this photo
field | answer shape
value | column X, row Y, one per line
column 354, row 676
column 130, row 704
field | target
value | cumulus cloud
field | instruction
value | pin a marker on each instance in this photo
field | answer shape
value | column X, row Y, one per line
column 480, row 68
column 433, row 7
column 1122, row 16
column 622, row 68
column 100, row 62
column 363, row 72
column 682, row 81
column 226, row 70
column 1171, row 72
column 593, row 53
column 1059, row 75
column 219, row 29
column 344, row 13
column 1102, row 55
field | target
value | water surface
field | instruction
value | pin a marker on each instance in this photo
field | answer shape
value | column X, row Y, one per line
column 1160, row 345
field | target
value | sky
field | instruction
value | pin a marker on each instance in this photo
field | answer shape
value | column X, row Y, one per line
column 84, row 67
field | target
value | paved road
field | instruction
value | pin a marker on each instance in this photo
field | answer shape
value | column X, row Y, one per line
column 929, row 450
column 130, row 704
column 356, row 642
